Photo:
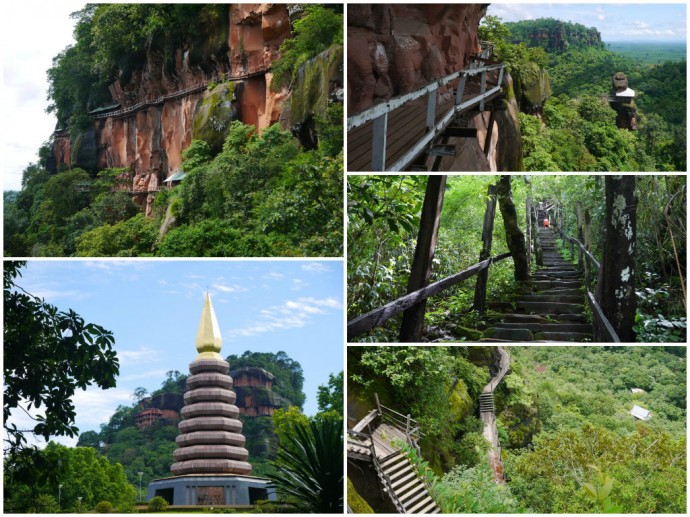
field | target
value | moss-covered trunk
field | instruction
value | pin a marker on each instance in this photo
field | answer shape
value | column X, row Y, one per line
column 514, row 236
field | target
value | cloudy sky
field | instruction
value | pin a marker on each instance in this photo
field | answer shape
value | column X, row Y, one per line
column 616, row 22
column 153, row 309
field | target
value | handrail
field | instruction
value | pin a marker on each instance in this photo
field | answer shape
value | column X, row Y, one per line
column 597, row 312
column 378, row 317
column 377, row 110
column 174, row 95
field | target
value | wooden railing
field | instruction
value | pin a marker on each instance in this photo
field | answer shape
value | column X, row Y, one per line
column 599, row 318
column 379, row 114
column 379, row 316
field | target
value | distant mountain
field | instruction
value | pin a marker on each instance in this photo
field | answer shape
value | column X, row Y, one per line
column 554, row 35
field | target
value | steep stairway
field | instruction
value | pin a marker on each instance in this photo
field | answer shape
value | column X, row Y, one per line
column 408, row 492
column 553, row 308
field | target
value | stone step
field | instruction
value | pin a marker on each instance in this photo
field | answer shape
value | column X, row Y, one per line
column 508, row 334
column 576, row 298
column 559, row 274
column 560, row 291
column 543, row 318
column 550, row 307
column 548, row 327
column 563, row 336
column 551, row 284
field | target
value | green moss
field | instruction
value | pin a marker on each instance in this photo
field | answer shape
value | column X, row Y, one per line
column 460, row 402
column 311, row 88
column 355, row 501
column 213, row 114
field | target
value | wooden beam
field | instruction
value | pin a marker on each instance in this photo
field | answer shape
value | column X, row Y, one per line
column 413, row 319
column 602, row 320
column 461, row 132
column 379, row 316
column 378, row 151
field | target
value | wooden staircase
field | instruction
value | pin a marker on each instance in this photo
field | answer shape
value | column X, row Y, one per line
column 486, row 403
column 406, row 489
column 552, row 310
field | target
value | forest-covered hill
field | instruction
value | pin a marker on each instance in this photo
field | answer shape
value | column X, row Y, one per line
column 574, row 128
column 103, row 187
column 563, row 421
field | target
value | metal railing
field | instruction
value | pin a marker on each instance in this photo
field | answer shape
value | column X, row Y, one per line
column 379, row 114
column 379, row 316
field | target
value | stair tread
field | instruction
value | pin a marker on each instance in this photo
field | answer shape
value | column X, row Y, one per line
column 422, row 504
column 403, row 479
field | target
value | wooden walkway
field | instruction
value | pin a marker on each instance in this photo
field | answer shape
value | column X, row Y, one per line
column 407, row 125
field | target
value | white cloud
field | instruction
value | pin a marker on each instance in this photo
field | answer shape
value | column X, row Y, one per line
column 145, row 375
column 143, row 353
column 291, row 314
column 274, row 276
column 315, row 267
column 234, row 288
column 298, row 284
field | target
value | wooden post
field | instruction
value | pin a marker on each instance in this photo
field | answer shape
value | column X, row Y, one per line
column 588, row 267
column 580, row 237
column 407, row 425
column 413, row 318
column 461, row 89
column 482, row 90
column 490, row 129
column 431, row 109
column 487, row 237
column 528, row 226
column 378, row 404
column 378, row 151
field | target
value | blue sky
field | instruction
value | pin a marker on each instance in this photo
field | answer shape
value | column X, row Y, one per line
column 616, row 22
column 154, row 307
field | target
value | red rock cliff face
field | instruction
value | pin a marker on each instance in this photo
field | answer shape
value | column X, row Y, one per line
column 150, row 142
column 393, row 49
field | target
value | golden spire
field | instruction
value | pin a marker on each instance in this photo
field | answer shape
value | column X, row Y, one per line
column 208, row 339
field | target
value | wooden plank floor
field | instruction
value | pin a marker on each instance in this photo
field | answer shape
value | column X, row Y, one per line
column 406, row 126
column 383, row 436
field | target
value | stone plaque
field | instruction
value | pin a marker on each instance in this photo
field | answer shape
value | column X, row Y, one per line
column 210, row 495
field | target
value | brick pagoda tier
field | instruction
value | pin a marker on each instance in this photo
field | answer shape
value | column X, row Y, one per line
column 210, row 460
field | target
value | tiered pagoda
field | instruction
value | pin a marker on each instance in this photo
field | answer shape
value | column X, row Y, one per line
column 211, row 465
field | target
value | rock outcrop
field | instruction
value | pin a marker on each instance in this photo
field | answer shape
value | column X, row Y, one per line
column 150, row 141
column 395, row 48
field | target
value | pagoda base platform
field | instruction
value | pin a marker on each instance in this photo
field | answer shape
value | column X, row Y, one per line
column 212, row 490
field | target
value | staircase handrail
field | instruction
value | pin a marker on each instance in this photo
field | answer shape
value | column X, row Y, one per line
column 378, row 317
column 597, row 312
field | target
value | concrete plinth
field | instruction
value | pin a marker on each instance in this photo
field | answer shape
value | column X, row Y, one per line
column 212, row 490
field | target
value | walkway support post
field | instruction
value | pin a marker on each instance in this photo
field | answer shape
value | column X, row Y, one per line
column 378, row 153
column 580, row 236
column 616, row 285
column 487, row 238
column 413, row 318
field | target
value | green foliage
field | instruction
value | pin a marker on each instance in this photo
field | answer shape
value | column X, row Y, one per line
column 104, row 507
column 133, row 237
column 48, row 355
column 32, row 477
column 355, row 501
column 330, row 397
column 319, row 27
column 309, row 466
column 602, row 490
column 158, row 504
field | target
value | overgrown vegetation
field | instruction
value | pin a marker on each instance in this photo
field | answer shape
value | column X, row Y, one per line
column 575, row 129
column 383, row 221
column 569, row 444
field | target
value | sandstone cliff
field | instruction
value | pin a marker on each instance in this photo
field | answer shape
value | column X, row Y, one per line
column 194, row 92
column 395, row 49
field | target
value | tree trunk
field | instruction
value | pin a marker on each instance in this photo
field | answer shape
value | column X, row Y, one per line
column 616, row 285
column 413, row 318
column 487, row 238
column 514, row 236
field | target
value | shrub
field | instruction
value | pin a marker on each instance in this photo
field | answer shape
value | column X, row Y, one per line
column 104, row 507
column 158, row 504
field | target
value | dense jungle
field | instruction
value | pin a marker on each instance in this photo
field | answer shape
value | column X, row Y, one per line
column 384, row 220
column 562, row 76
column 568, row 443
